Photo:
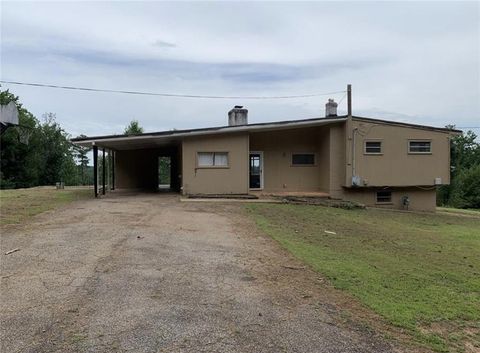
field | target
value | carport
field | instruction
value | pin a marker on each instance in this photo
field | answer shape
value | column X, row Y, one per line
column 132, row 162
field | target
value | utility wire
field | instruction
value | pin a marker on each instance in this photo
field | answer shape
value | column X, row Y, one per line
column 167, row 94
column 341, row 100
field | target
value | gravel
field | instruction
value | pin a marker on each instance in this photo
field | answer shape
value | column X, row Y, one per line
column 147, row 273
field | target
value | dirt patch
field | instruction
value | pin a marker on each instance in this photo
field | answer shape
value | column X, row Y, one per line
column 152, row 274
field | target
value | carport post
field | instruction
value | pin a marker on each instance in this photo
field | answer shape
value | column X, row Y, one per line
column 113, row 170
column 103, row 170
column 95, row 170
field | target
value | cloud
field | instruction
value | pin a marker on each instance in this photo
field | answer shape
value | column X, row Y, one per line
column 417, row 61
column 163, row 44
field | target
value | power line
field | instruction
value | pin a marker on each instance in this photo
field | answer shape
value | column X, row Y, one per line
column 167, row 94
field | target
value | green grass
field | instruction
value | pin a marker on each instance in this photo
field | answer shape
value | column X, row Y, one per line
column 18, row 205
column 421, row 272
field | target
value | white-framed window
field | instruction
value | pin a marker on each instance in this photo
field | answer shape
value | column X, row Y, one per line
column 373, row 147
column 303, row 159
column 383, row 197
column 212, row 159
column 419, row 146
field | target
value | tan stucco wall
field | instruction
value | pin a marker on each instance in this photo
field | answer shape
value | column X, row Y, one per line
column 277, row 148
column 136, row 169
column 396, row 167
column 337, row 160
column 420, row 200
column 231, row 180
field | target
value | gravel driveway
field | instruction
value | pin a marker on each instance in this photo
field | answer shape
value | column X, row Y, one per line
column 148, row 273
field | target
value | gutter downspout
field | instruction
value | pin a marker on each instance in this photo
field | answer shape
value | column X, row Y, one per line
column 354, row 134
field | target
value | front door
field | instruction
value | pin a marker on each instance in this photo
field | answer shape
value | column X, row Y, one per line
column 256, row 170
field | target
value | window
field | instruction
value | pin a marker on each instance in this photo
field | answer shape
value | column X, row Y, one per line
column 303, row 159
column 373, row 147
column 212, row 159
column 384, row 196
column 419, row 147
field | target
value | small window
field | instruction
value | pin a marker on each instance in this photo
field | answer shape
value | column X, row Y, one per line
column 384, row 196
column 212, row 159
column 303, row 159
column 373, row 147
column 419, row 146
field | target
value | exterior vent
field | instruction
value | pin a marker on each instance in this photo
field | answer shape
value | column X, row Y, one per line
column 238, row 116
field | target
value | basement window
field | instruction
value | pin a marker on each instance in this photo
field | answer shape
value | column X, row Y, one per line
column 419, row 147
column 300, row 159
column 373, row 147
column 384, row 197
column 212, row 159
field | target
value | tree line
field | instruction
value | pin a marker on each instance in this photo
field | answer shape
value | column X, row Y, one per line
column 50, row 157
column 464, row 188
column 47, row 157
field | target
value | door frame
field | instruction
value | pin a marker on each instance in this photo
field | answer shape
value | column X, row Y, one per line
column 261, row 170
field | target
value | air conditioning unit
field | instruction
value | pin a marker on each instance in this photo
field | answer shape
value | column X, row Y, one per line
column 438, row 181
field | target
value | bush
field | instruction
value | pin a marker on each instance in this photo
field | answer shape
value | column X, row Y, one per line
column 465, row 191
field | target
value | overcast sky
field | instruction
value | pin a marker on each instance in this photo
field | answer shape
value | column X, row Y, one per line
column 413, row 61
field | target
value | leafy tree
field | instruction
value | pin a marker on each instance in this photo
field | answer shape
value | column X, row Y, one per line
column 57, row 157
column 81, row 155
column 466, row 188
column 164, row 170
column 133, row 128
column 19, row 161
column 464, row 165
column 47, row 157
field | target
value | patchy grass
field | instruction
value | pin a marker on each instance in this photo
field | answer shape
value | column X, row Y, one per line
column 460, row 211
column 18, row 205
column 421, row 272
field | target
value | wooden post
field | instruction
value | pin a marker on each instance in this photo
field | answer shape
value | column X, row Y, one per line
column 103, row 171
column 349, row 100
column 95, row 170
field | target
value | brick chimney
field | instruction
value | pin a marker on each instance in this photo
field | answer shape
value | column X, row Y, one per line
column 238, row 116
column 331, row 108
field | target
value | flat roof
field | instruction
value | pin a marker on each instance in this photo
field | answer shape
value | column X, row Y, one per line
column 162, row 138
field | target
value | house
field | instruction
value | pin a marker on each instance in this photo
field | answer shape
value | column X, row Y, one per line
column 375, row 162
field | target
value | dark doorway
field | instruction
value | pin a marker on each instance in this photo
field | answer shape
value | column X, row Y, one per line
column 256, row 170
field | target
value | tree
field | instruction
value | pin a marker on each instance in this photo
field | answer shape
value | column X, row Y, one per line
column 19, row 162
column 464, row 167
column 81, row 155
column 133, row 128
column 466, row 188
column 47, row 157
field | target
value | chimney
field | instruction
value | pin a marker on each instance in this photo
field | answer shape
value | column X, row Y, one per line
column 331, row 108
column 238, row 116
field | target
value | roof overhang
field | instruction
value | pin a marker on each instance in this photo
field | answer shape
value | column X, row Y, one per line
column 165, row 138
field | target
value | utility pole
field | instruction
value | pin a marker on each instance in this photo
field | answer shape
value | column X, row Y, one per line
column 349, row 100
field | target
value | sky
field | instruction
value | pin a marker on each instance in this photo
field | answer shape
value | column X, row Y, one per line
column 415, row 62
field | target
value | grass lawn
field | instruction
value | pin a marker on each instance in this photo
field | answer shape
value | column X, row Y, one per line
column 421, row 272
column 18, row 205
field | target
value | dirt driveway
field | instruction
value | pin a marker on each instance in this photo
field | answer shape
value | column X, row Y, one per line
column 152, row 274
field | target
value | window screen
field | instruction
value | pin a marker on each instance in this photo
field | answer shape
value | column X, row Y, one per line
column 384, row 196
column 303, row 159
column 373, row 147
column 419, row 146
column 212, row 159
